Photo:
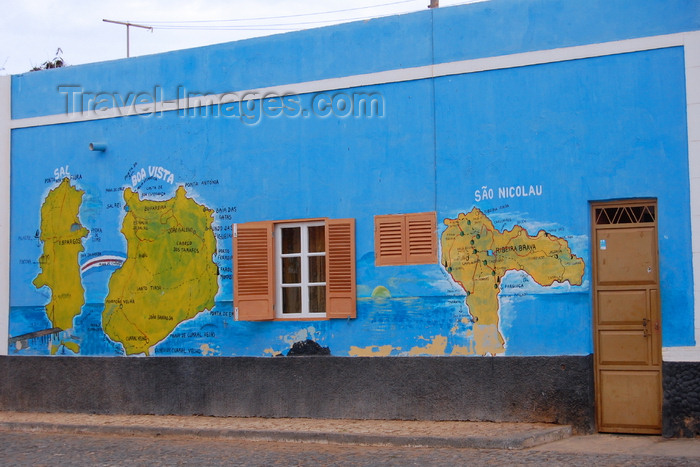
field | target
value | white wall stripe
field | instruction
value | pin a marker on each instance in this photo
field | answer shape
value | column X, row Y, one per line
column 691, row 50
column 370, row 79
column 5, row 148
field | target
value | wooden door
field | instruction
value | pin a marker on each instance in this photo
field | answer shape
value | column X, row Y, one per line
column 627, row 317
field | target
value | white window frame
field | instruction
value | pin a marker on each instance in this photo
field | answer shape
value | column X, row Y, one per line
column 305, row 283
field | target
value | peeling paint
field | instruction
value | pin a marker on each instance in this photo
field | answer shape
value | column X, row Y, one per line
column 436, row 347
column 208, row 350
column 465, row 321
column 301, row 335
column 372, row 351
column 459, row 350
column 488, row 339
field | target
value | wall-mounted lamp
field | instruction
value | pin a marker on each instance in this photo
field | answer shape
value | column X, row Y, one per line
column 102, row 147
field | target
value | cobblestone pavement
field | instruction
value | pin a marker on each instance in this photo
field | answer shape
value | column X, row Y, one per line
column 44, row 449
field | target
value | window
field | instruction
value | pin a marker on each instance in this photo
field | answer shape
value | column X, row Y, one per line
column 294, row 269
column 301, row 270
column 403, row 239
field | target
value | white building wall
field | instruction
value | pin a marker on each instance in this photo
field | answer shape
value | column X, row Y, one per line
column 5, row 142
column 691, row 45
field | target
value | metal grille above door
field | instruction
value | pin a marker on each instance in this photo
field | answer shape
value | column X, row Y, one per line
column 625, row 214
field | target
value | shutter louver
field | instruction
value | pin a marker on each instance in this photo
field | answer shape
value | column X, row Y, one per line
column 422, row 238
column 389, row 242
column 253, row 267
column 341, row 298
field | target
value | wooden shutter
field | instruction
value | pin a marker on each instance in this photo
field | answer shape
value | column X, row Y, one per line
column 253, row 271
column 403, row 239
column 389, row 240
column 341, row 299
column 421, row 244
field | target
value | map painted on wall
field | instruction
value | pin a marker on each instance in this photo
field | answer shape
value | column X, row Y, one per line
column 167, row 276
column 169, row 270
column 141, row 268
column 477, row 256
column 141, row 265
column 62, row 236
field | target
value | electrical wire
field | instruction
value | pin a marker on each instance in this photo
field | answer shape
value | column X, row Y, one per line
column 263, row 18
column 269, row 26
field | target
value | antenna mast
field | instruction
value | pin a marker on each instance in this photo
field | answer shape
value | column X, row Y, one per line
column 128, row 24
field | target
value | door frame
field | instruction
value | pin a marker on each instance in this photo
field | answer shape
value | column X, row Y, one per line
column 655, row 306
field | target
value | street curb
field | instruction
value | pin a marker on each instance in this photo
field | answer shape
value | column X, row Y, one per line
column 526, row 440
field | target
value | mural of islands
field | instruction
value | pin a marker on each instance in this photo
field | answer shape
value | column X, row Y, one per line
column 163, row 292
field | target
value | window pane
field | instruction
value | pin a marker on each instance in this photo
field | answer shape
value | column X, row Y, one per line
column 317, row 239
column 317, row 269
column 317, row 299
column 291, row 240
column 291, row 300
column 291, row 270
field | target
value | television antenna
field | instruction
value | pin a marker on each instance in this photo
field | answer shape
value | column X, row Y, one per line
column 128, row 25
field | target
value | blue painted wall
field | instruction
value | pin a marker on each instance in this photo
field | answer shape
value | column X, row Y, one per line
column 497, row 27
column 583, row 130
column 586, row 130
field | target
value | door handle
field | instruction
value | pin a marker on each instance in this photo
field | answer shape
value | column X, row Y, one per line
column 646, row 329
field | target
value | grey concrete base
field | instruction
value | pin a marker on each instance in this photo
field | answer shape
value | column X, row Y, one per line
column 518, row 389
column 681, row 409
